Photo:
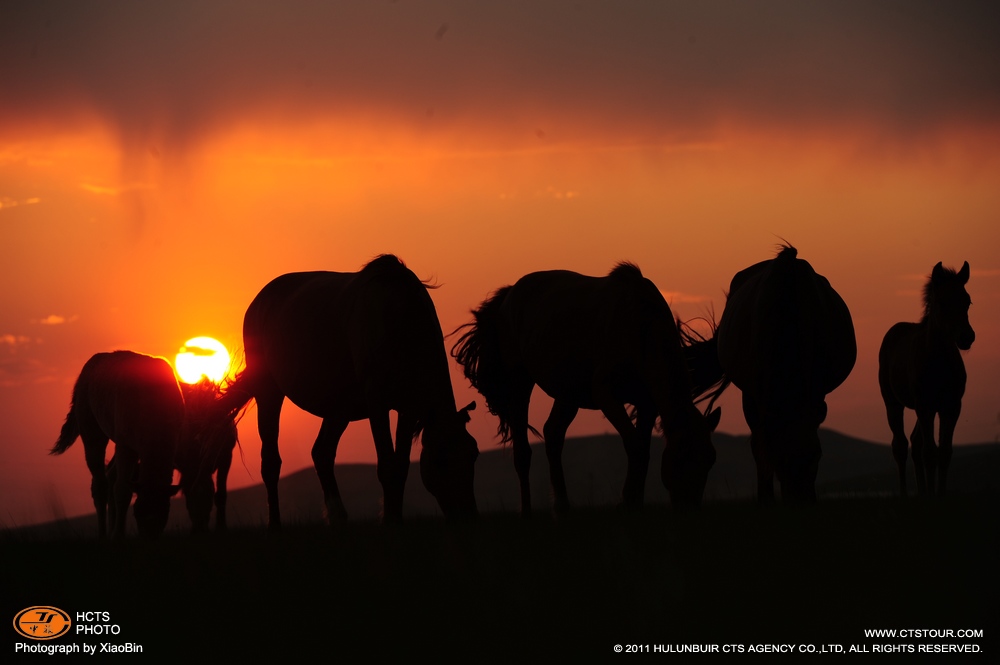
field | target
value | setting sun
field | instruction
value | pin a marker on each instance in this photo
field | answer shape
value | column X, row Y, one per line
column 202, row 356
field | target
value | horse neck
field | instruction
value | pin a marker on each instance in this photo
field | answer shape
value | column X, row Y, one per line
column 933, row 333
column 668, row 378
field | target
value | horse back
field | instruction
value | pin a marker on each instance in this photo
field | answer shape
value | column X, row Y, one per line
column 785, row 324
column 133, row 399
column 325, row 339
column 563, row 330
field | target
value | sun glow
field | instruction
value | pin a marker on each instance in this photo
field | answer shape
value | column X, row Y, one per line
column 202, row 357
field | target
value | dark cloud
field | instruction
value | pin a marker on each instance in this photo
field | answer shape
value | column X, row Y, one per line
column 168, row 72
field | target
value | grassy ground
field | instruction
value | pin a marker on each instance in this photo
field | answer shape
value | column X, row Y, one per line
column 732, row 573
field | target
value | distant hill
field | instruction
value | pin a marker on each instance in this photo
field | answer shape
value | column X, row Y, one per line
column 595, row 470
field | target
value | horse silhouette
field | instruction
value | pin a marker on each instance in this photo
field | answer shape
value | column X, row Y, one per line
column 589, row 343
column 212, row 451
column 135, row 401
column 920, row 367
column 353, row 346
column 202, row 434
column 786, row 339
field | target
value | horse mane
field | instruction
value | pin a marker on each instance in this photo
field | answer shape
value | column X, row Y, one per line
column 944, row 274
column 786, row 251
column 625, row 270
column 477, row 351
column 708, row 379
column 384, row 264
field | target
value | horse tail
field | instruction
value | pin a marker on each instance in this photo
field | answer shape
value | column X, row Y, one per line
column 478, row 352
column 234, row 397
column 71, row 428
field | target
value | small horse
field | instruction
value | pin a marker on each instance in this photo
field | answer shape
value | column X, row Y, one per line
column 786, row 339
column 135, row 401
column 201, row 435
column 920, row 367
column 211, row 452
column 353, row 346
column 589, row 343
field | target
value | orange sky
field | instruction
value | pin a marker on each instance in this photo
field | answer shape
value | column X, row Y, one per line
column 159, row 164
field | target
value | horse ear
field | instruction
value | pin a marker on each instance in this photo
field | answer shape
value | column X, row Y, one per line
column 938, row 272
column 464, row 411
column 174, row 489
column 713, row 418
column 963, row 274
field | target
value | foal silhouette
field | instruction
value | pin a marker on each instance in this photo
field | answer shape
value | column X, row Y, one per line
column 920, row 367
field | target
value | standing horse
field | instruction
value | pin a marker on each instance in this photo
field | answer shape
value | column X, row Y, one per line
column 135, row 401
column 353, row 346
column 590, row 343
column 786, row 339
column 920, row 367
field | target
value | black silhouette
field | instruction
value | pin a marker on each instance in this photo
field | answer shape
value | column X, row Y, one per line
column 786, row 339
column 353, row 346
column 590, row 343
column 920, row 367
column 135, row 401
column 212, row 451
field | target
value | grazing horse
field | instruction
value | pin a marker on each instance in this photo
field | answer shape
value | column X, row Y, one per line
column 786, row 339
column 353, row 346
column 135, row 401
column 212, row 452
column 590, row 343
column 920, row 367
column 200, row 434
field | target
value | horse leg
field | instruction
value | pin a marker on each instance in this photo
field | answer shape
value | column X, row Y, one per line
column 894, row 414
column 765, row 470
column 518, row 425
column 405, row 426
column 636, row 450
column 268, row 417
column 221, row 476
column 644, row 422
column 392, row 489
column 917, row 445
column 949, row 418
column 924, row 432
column 554, row 432
column 126, row 466
column 324, row 453
column 95, row 447
column 758, row 446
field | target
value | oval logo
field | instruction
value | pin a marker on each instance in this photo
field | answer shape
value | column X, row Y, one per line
column 42, row 622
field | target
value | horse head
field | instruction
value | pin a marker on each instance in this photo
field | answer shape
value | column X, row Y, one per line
column 689, row 456
column 947, row 304
column 447, row 463
column 151, row 509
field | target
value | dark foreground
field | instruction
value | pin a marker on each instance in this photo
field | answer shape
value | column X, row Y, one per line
column 731, row 574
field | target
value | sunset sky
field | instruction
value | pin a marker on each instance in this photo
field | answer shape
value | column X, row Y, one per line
column 160, row 162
